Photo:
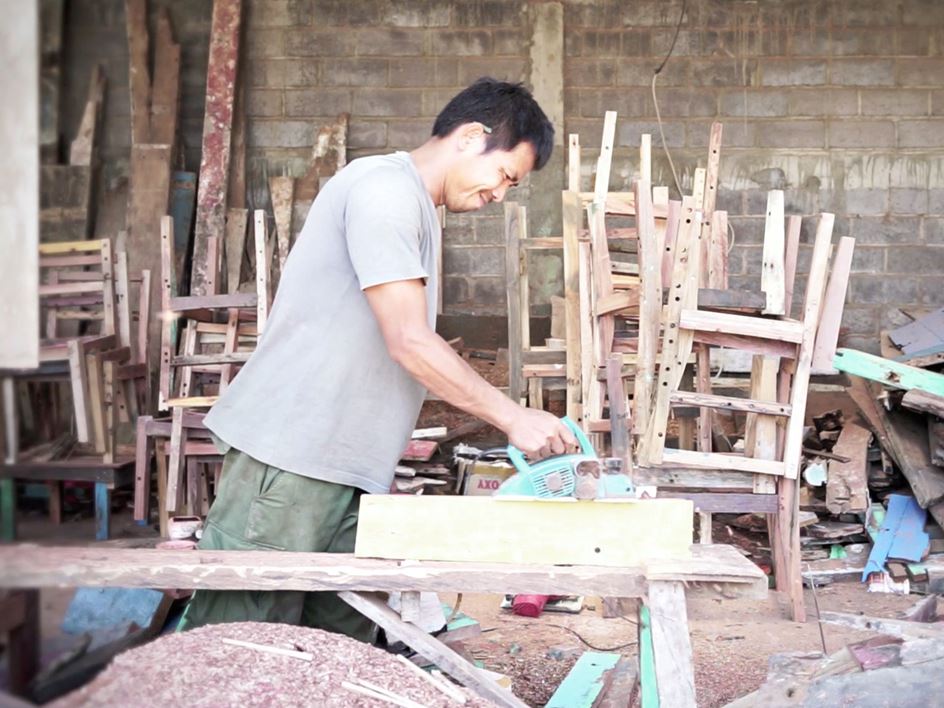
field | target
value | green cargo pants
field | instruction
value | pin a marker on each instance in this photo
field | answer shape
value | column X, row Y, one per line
column 259, row 507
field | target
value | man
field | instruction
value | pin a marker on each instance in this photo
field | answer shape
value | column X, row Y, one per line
column 325, row 406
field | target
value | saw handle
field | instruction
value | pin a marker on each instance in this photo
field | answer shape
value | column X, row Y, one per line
column 586, row 447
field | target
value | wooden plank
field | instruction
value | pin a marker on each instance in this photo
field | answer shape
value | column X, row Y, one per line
column 523, row 285
column 648, row 683
column 645, row 158
column 760, row 439
column 450, row 528
column 168, row 326
column 691, row 398
column 671, row 643
column 668, row 238
column 513, row 268
column 619, row 413
column 755, row 345
column 888, row 372
column 214, row 163
column 78, row 381
column 571, row 224
column 601, row 184
column 282, row 191
column 140, row 78
column 720, row 461
column 236, row 222
column 591, row 400
column 428, row 646
column 718, row 252
column 812, row 304
column 212, row 302
column 83, row 148
column 907, row 443
column 585, row 682
column 895, row 628
column 650, row 307
column 263, row 294
column 726, row 502
column 573, row 162
column 827, row 334
column 918, row 400
column 772, row 274
column 785, row 330
column 674, row 353
column 165, row 89
column 694, row 478
column 847, row 482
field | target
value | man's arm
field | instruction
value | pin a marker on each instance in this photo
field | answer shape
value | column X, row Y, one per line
column 400, row 309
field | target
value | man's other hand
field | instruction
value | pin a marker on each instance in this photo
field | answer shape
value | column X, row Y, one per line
column 539, row 434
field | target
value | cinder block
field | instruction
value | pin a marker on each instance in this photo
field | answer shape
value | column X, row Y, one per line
column 863, row 14
column 898, row 231
column 936, row 201
column 635, row 72
column 406, row 135
column 751, row 102
column 790, row 134
column 306, row 42
column 900, row 102
column 792, row 72
column 504, row 68
column 937, row 103
column 489, row 228
column 456, row 290
column 811, row 41
column 628, row 134
column 421, row 72
column 908, row 201
column 635, row 43
column 277, row 13
column 263, row 103
column 737, row 133
column 684, row 102
column 860, row 320
column 912, row 73
column 486, row 13
column 488, row 294
column 591, row 72
column 921, row 133
column 301, row 73
column 388, row 41
column 388, row 102
column 329, row 12
column 721, row 72
column 461, row 43
column 354, row 72
column 866, row 201
column 280, row 133
column 916, row 260
column 934, row 231
column 862, row 42
column 267, row 42
column 862, row 72
column 867, row 259
column 509, row 42
column 318, row 102
column 914, row 41
column 433, row 13
column 731, row 201
column 923, row 13
column 748, row 230
column 367, row 134
column 600, row 43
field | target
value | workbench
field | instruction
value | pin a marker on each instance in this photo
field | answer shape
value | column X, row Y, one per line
column 666, row 673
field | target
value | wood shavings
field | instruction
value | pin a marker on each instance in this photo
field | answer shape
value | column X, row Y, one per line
column 197, row 668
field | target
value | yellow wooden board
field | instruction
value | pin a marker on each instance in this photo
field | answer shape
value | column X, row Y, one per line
column 617, row 533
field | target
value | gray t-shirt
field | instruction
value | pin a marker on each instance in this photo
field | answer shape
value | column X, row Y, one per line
column 321, row 396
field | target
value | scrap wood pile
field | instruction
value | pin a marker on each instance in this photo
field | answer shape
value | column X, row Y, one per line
column 255, row 664
column 646, row 308
column 904, row 666
column 886, row 476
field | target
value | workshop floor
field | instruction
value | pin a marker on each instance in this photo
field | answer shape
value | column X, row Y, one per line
column 732, row 640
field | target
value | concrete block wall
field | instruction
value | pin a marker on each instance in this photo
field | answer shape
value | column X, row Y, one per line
column 840, row 103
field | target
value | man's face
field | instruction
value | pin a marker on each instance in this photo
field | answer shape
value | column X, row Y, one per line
column 478, row 177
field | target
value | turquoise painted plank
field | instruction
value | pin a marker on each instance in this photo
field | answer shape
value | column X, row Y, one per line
column 583, row 684
column 648, row 685
column 102, row 511
column 888, row 372
column 7, row 510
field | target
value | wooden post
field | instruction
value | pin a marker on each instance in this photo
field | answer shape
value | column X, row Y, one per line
column 217, row 126
column 671, row 644
column 513, row 255
column 571, row 226
column 772, row 275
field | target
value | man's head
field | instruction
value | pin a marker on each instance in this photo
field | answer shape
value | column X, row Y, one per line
column 497, row 134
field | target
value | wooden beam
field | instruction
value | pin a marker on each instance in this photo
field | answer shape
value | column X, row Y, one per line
column 428, row 646
column 691, row 398
column 772, row 273
column 650, row 308
column 535, row 530
column 785, row 330
column 513, row 269
column 720, row 461
column 140, row 78
column 165, row 89
column 671, row 642
column 571, row 224
column 573, row 163
column 827, row 334
column 888, row 372
column 755, row 345
column 918, row 400
column 222, row 71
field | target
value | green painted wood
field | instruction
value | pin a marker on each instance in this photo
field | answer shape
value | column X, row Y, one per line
column 583, row 684
column 7, row 510
column 888, row 372
column 648, row 685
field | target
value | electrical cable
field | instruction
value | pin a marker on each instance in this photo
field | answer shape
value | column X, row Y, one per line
column 655, row 100
column 595, row 648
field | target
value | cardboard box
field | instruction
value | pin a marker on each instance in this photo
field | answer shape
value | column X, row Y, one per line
column 483, row 479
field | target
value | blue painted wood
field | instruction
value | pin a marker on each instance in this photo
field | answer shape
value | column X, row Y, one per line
column 7, row 510
column 901, row 535
column 102, row 611
column 648, row 684
column 583, row 684
column 183, row 199
column 102, row 511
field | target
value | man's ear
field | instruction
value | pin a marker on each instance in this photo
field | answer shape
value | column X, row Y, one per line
column 472, row 137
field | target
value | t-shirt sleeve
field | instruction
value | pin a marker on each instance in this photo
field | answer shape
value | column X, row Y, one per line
column 383, row 223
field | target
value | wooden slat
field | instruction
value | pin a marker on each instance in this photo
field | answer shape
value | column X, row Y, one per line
column 571, row 224
column 236, row 222
column 827, row 334
column 165, row 89
column 772, row 273
column 513, row 267
column 671, row 643
column 140, row 78
column 650, row 307
column 262, row 268
column 212, row 302
column 282, row 191
column 791, row 253
column 719, row 461
column 645, row 158
column 73, row 288
column 601, row 185
column 755, row 345
column 168, row 325
column 786, row 330
column 888, row 372
column 214, row 164
column 573, row 162
column 691, row 398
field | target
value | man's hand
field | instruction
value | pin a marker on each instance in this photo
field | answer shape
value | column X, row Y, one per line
column 539, row 434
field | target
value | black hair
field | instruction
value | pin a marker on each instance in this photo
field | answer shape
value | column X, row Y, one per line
column 509, row 110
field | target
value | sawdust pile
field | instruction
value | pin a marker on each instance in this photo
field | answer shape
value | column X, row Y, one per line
column 196, row 668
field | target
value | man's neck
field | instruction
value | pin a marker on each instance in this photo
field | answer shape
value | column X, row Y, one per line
column 430, row 161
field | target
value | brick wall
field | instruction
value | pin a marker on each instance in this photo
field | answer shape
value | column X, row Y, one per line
column 838, row 102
